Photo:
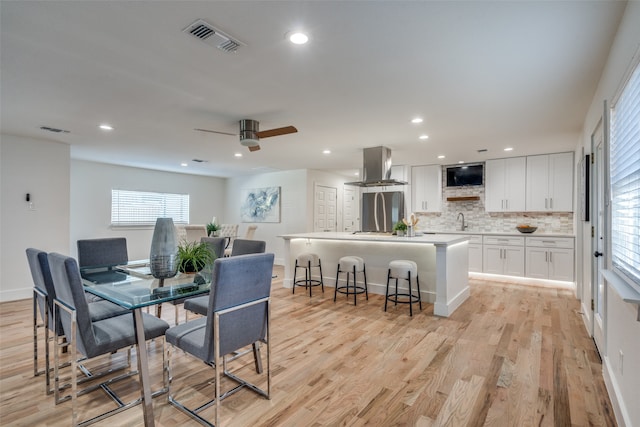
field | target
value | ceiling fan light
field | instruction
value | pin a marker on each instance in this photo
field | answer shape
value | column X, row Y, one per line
column 249, row 142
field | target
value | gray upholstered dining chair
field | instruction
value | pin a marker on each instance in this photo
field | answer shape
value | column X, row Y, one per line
column 44, row 294
column 88, row 338
column 199, row 304
column 237, row 316
column 246, row 246
column 98, row 257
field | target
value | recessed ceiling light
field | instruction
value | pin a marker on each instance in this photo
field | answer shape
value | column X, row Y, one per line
column 105, row 126
column 238, row 155
column 326, row 152
column 508, row 149
column 416, row 120
column 297, row 37
column 424, row 137
column 461, row 161
column 357, row 173
column 441, row 156
column 184, row 165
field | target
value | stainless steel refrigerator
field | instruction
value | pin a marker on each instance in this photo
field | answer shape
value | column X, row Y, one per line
column 381, row 210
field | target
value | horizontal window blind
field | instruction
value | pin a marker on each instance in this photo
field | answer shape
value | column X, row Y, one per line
column 129, row 208
column 625, row 180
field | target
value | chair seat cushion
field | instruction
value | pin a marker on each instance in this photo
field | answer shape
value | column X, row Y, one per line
column 189, row 337
column 103, row 309
column 197, row 305
column 306, row 257
column 400, row 268
column 118, row 332
column 348, row 262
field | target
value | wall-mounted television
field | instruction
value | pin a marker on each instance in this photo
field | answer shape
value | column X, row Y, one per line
column 462, row 175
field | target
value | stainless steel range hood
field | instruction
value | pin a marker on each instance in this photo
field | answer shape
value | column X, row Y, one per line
column 376, row 170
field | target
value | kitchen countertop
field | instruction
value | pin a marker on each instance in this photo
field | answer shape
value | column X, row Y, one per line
column 439, row 239
column 504, row 233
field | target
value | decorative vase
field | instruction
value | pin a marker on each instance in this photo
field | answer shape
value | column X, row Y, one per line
column 163, row 257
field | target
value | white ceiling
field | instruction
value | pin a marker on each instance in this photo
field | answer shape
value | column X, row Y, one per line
column 483, row 75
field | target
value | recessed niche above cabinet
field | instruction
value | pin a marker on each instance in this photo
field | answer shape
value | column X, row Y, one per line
column 463, row 198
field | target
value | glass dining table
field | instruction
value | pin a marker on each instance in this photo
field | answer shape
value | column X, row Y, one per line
column 130, row 287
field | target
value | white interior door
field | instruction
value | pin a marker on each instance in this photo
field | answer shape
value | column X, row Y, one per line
column 350, row 209
column 325, row 209
column 598, row 245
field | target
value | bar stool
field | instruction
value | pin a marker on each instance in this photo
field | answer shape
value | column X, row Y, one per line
column 307, row 261
column 351, row 265
column 403, row 269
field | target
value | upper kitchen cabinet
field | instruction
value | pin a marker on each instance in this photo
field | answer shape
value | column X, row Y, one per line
column 426, row 186
column 550, row 183
column 505, row 184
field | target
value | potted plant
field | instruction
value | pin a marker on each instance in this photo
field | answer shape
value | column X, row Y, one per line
column 400, row 228
column 193, row 256
column 212, row 229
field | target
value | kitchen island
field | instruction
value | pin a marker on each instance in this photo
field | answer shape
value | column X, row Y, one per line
column 442, row 261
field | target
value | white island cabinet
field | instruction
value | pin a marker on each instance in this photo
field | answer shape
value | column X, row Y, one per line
column 442, row 260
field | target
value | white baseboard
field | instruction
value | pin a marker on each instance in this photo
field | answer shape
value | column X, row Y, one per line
column 16, row 294
column 619, row 408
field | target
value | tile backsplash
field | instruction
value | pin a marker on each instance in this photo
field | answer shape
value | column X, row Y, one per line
column 478, row 220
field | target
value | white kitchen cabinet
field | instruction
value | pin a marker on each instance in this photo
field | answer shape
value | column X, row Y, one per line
column 426, row 188
column 503, row 255
column 505, row 185
column 550, row 258
column 550, row 183
column 475, row 253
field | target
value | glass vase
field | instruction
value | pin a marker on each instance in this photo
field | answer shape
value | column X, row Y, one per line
column 163, row 257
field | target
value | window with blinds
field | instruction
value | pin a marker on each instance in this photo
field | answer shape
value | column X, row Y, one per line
column 131, row 208
column 625, row 180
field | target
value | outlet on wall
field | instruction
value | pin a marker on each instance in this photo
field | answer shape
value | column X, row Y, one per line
column 621, row 362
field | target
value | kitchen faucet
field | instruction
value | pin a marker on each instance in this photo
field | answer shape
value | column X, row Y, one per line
column 463, row 226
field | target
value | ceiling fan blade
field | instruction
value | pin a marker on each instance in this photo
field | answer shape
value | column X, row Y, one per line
column 275, row 132
column 216, row 131
column 253, row 148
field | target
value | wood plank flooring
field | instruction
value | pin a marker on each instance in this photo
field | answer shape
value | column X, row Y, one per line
column 511, row 355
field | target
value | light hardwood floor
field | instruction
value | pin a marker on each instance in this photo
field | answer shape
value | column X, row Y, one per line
column 511, row 355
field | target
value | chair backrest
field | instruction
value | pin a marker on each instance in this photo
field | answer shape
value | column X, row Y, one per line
column 215, row 244
column 41, row 275
column 69, row 290
column 251, row 230
column 195, row 232
column 228, row 230
column 105, row 252
column 244, row 247
column 238, row 280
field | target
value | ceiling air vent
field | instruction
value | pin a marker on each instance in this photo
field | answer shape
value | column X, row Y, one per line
column 211, row 35
column 55, row 130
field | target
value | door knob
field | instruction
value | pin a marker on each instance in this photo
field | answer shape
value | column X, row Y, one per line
column 597, row 254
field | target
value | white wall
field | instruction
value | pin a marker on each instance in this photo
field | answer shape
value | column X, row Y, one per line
column 294, row 206
column 91, row 185
column 622, row 327
column 40, row 168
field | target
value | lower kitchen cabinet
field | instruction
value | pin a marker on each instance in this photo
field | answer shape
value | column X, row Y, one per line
column 503, row 255
column 475, row 253
column 550, row 258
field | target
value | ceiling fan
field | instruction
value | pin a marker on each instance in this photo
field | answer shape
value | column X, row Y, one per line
column 250, row 133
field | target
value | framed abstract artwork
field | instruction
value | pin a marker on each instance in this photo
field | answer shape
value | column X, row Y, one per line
column 260, row 205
